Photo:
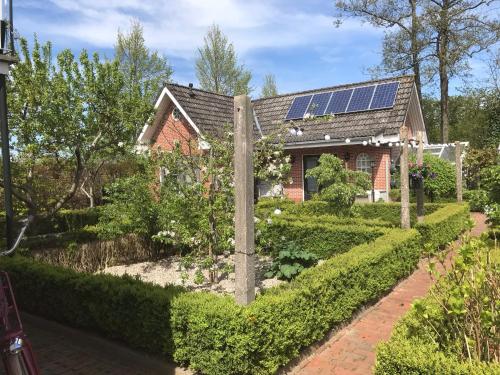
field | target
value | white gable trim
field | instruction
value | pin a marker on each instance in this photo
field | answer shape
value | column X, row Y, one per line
column 147, row 126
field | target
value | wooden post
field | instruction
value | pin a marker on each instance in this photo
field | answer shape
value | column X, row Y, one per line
column 458, row 169
column 405, row 188
column 244, row 190
column 420, row 186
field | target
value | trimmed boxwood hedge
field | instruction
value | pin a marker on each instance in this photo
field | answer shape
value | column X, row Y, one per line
column 444, row 225
column 120, row 308
column 412, row 349
column 322, row 239
column 215, row 336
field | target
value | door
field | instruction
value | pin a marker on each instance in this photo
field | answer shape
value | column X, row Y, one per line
column 310, row 184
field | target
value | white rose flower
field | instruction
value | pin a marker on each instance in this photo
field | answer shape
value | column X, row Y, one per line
column 121, row 144
column 269, row 221
column 277, row 211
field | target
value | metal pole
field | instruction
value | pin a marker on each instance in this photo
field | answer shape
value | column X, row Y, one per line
column 7, row 179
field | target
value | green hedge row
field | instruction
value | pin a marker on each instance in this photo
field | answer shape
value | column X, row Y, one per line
column 391, row 212
column 120, row 308
column 383, row 212
column 336, row 220
column 444, row 225
column 322, row 239
column 215, row 336
column 413, row 349
column 52, row 240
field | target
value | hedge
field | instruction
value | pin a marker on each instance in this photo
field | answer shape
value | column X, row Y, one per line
column 52, row 240
column 384, row 212
column 322, row 239
column 444, row 225
column 412, row 349
column 215, row 336
column 336, row 220
column 120, row 308
column 391, row 212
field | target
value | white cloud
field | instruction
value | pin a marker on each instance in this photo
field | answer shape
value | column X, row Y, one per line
column 177, row 27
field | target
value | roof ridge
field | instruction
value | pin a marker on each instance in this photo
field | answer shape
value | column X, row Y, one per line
column 196, row 89
column 333, row 87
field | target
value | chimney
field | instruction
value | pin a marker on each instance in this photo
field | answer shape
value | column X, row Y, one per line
column 191, row 93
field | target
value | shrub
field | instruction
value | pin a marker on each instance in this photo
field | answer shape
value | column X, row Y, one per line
column 291, row 261
column 391, row 212
column 337, row 184
column 490, row 181
column 443, row 183
column 215, row 336
column 119, row 308
column 444, row 225
column 478, row 199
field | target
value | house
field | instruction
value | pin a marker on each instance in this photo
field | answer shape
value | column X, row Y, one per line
column 358, row 122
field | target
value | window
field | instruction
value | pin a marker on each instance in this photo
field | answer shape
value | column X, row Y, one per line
column 363, row 163
column 310, row 184
column 176, row 114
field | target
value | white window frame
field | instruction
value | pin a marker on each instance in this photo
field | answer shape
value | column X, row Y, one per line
column 363, row 162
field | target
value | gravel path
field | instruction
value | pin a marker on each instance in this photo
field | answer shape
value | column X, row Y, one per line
column 173, row 270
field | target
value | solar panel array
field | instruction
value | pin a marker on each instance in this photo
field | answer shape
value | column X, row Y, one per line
column 357, row 99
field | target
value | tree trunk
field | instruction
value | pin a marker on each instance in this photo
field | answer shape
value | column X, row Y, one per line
column 442, row 53
column 405, row 189
column 415, row 51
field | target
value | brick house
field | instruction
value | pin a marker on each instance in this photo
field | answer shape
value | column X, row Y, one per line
column 358, row 122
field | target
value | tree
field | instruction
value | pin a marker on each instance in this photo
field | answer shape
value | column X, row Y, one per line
column 269, row 88
column 337, row 184
column 145, row 70
column 65, row 114
column 404, row 42
column 217, row 66
column 458, row 30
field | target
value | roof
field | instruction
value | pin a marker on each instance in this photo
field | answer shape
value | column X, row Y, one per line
column 210, row 112
column 272, row 111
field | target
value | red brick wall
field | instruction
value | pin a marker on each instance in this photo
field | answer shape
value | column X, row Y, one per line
column 382, row 155
column 173, row 131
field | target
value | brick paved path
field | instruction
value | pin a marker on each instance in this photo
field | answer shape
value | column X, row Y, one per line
column 351, row 351
column 61, row 350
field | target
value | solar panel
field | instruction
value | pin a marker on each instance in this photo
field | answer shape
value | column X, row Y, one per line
column 318, row 104
column 298, row 107
column 384, row 96
column 361, row 98
column 338, row 102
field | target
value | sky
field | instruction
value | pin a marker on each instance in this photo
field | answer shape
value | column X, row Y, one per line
column 296, row 40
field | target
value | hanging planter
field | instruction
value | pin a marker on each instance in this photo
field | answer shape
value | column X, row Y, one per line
column 420, row 171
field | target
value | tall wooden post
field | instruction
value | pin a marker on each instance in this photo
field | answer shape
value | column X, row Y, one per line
column 244, row 189
column 405, row 188
column 420, row 186
column 458, row 168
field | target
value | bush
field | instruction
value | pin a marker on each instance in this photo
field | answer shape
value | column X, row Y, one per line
column 490, row 179
column 119, row 308
column 444, row 225
column 478, row 199
column 215, row 336
column 291, row 261
column 323, row 240
column 443, row 184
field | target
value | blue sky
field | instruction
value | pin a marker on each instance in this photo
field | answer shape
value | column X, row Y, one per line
column 294, row 40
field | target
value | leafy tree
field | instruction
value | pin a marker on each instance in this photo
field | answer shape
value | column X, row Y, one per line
column 145, row 71
column 217, row 66
column 65, row 113
column 337, row 184
column 269, row 88
column 475, row 161
column 458, row 30
column 404, row 42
